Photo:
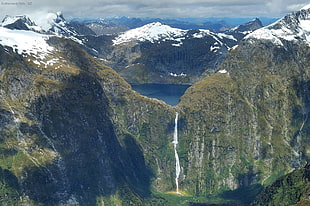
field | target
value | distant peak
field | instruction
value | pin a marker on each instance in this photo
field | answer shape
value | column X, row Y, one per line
column 255, row 21
column 156, row 25
column 248, row 27
column 292, row 27
column 150, row 32
column 19, row 22
column 12, row 19
column 44, row 21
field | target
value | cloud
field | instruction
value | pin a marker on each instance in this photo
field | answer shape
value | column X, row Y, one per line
column 153, row 8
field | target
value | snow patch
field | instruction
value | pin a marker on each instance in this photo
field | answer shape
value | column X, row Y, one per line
column 306, row 7
column 151, row 32
column 177, row 75
column 55, row 61
column 10, row 20
column 202, row 33
column 214, row 48
column 222, row 71
column 234, row 47
column 227, row 36
column 178, row 44
column 266, row 34
column 304, row 24
column 26, row 42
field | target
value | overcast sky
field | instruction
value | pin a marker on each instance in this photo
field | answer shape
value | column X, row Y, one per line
column 153, row 8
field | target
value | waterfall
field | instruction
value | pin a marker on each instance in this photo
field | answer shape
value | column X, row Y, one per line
column 177, row 161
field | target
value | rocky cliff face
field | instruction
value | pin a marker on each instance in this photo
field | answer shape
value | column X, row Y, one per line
column 58, row 142
column 288, row 190
column 73, row 132
column 244, row 126
column 247, row 128
column 158, row 53
column 248, row 123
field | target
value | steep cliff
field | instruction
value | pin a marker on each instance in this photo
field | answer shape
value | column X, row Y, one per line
column 248, row 123
column 287, row 190
column 73, row 132
column 58, row 142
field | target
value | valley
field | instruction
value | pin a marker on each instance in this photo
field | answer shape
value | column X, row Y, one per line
column 227, row 122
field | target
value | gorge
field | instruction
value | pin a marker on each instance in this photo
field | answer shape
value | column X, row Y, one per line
column 74, row 132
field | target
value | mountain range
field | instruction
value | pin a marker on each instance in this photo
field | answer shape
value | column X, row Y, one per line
column 73, row 132
column 159, row 53
column 121, row 24
column 153, row 53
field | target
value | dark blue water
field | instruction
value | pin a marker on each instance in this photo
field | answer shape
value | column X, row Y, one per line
column 169, row 93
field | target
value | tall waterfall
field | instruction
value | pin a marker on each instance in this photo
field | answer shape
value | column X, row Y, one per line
column 177, row 161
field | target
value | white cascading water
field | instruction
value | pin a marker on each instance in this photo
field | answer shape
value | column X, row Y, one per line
column 177, row 161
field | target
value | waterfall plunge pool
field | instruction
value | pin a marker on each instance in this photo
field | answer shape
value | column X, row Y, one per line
column 169, row 93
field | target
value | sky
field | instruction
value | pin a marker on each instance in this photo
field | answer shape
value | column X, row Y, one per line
column 152, row 8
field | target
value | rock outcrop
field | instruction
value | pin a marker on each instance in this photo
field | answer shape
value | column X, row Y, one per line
column 73, row 132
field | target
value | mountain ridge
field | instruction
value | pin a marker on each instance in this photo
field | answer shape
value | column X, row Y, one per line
column 116, row 25
column 239, row 128
column 292, row 27
column 149, row 54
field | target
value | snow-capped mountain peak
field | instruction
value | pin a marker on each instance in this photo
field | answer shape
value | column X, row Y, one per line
column 28, row 37
column 47, row 23
column 292, row 27
column 21, row 22
column 24, row 37
column 150, row 32
column 247, row 27
column 55, row 23
column 12, row 19
column 26, row 42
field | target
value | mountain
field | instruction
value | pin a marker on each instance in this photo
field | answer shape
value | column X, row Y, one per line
column 248, row 124
column 162, row 54
column 159, row 53
column 73, row 132
column 242, row 30
column 292, row 27
column 25, row 42
column 121, row 24
column 185, row 55
column 20, row 23
column 58, row 143
column 81, row 28
column 55, row 23
column 51, row 23
column 113, row 26
column 250, row 119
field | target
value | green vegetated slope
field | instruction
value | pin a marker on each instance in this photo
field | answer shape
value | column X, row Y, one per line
column 287, row 190
column 58, row 142
column 78, row 134
column 250, row 125
column 238, row 131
